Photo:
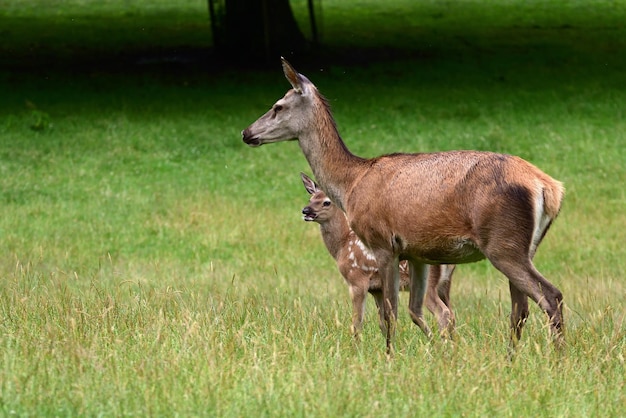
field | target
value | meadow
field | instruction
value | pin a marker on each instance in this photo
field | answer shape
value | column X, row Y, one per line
column 151, row 264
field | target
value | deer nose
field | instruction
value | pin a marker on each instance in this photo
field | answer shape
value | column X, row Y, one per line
column 309, row 214
column 249, row 139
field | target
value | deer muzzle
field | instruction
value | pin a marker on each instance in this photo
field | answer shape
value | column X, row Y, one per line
column 309, row 214
column 250, row 139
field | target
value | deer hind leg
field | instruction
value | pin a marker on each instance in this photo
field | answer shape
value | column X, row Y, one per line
column 509, row 239
column 525, row 280
column 438, row 297
column 510, row 251
column 445, row 284
column 358, row 295
column 419, row 274
column 519, row 312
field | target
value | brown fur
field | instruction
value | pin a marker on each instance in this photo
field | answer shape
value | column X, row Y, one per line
column 361, row 272
column 437, row 208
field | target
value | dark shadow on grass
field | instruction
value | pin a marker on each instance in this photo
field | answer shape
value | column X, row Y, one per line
column 452, row 32
column 139, row 55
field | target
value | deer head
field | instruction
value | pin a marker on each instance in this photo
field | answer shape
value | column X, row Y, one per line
column 288, row 116
column 320, row 208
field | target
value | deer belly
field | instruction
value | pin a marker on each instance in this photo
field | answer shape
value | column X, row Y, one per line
column 455, row 252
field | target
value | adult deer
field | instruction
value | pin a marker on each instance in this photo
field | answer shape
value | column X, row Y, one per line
column 429, row 208
column 359, row 268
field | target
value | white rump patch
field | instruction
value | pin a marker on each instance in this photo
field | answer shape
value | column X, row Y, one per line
column 542, row 220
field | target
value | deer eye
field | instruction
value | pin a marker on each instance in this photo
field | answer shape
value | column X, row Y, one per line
column 326, row 203
column 277, row 108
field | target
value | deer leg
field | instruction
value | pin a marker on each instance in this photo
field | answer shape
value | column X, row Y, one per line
column 389, row 272
column 445, row 282
column 443, row 290
column 378, row 298
column 519, row 312
column 417, row 289
column 438, row 298
column 358, row 296
column 527, row 281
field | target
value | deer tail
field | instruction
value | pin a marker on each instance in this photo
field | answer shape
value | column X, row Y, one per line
column 553, row 192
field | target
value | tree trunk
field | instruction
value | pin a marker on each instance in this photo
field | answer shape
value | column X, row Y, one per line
column 257, row 30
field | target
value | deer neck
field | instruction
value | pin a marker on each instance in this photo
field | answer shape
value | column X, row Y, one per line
column 335, row 233
column 334, row 166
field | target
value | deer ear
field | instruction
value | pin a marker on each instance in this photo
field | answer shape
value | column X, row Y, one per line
column 309, row 184
column 292, row 76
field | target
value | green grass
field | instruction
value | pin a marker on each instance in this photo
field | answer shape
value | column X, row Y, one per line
column 151, row 264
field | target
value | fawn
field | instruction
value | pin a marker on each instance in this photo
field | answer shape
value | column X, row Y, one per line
column 358, row 266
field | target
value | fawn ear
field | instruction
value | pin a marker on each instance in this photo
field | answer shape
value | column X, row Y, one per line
column 309, row 184
column 292, row 75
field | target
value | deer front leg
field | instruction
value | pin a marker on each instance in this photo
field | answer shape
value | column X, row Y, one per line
column 358, row 294
column 419, row 274
column 389, row 272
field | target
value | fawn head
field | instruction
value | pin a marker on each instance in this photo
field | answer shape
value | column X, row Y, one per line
column 320, row 209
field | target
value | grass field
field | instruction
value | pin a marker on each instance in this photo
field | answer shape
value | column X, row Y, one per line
column 151, row 264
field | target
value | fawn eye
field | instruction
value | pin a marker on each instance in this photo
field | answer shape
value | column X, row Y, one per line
column 326, row 203
column 277, row 108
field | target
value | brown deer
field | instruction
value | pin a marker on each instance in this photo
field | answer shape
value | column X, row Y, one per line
column 359, row 268
column 450, row 207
